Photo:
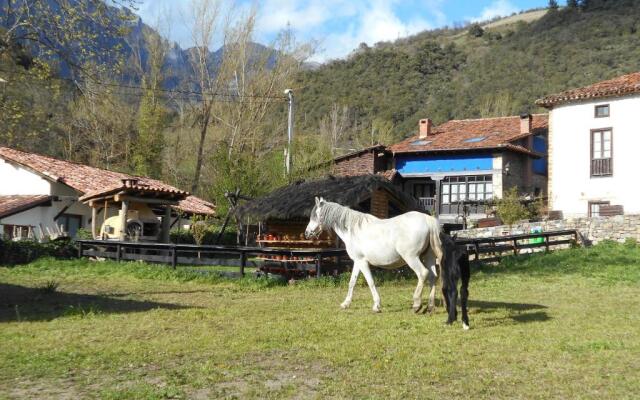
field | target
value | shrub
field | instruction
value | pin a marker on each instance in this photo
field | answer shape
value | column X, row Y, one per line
column 476, row 30
column 26, row 251
column 509, row 208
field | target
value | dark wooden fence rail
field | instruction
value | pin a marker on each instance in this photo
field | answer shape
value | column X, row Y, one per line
column 175, row 254
column 495, row 246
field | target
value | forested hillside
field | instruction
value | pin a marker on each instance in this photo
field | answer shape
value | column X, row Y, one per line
column 211, row 120
column 476, row 72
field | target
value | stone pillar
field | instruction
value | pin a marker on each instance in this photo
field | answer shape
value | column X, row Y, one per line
column 123, row 220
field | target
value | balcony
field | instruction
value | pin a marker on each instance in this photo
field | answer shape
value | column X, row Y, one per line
column 602, row 167
column 427, row 203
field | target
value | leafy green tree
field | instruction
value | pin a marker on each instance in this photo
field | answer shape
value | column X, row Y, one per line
column 553, row 4
column 572, row 3
column 147, row 154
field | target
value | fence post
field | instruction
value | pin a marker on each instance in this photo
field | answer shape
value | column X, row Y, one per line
column 174, row 257
column 546, row 243
column 118, row 256
column 243, row 262
column 79, row 249
column 318, row 265
column 515, row 247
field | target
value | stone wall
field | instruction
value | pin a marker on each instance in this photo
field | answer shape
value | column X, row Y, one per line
column 595, row 229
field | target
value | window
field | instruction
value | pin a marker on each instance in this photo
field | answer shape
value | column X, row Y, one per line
column 70, row 223
column 475, row 139
column 420, row 190
column 594, row 207
column 462, row 188
column 601, row 152
column 17, row 232
column 602, row 111
column 420, row 142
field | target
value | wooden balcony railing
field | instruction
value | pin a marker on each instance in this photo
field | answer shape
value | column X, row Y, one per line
column 602, row 167
column 427, row 203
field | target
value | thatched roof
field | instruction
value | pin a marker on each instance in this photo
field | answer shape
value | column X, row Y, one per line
column 294, row 202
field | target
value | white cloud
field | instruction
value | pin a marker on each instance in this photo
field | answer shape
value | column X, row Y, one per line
column 499, row 8
column 373, row 22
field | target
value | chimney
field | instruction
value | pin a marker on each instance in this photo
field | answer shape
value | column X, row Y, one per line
column 130, row 182
column 525, row 123
column 425, row 126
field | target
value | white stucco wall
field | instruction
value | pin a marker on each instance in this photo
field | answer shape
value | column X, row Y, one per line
column 17, row 180
column 571, row 186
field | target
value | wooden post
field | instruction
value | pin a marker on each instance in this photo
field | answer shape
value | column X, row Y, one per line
column 94, row 223
column 166, row 224
column 436, row 206
column 318, row 265
column 123, row 219
column 515, row 247
column 118, row 252
column 79, row 249
column 243, row 262
column 546, row 242
column 174, row 257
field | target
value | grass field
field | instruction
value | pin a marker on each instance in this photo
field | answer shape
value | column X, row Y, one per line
column 563, row 325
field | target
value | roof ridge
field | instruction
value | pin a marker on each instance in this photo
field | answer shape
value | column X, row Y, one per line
column 490, row 118
column 69, row 161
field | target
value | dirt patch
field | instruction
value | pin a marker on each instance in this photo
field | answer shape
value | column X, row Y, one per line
column 269, row 374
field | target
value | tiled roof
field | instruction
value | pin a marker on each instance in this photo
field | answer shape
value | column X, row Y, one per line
column 361, row 151
column 14, row 204
column 472, row 134
column 91, row 180
column 622, row 85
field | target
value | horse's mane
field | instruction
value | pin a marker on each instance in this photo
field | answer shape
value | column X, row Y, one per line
column 341, row 217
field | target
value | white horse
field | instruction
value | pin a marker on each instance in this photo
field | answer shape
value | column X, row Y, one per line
column 388, row 243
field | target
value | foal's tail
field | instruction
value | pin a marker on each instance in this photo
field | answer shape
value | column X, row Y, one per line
column 465, row 275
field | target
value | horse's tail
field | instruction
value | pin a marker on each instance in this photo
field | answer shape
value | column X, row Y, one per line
column 434, row 239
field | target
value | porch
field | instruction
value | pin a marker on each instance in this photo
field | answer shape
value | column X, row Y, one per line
column 450, row 197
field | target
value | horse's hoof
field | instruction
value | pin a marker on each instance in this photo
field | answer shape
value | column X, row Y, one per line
column 416, row 309
column 465, row 326
column 430, row 309
column 344, row 306
column 376, row 309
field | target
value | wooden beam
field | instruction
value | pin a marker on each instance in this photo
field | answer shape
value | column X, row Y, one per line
column 136, row 199
column 94, row 217
column 123, row 220
column 166, row 224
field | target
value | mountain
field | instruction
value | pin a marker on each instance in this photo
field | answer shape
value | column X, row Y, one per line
column 497, row 69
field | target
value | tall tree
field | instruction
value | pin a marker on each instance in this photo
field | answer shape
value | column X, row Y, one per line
column 553, row 4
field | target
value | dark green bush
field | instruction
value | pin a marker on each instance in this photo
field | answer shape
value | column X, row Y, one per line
column 182, row 236
column 26, row 251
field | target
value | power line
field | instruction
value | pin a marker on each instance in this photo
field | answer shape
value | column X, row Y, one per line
column 182, row 93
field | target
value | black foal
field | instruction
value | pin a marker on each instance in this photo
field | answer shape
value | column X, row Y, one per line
column 455, row 267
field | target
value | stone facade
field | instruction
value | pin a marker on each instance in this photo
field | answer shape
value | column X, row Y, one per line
column 595, row 229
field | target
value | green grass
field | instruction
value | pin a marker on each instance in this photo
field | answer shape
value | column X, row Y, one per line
column 562, row 325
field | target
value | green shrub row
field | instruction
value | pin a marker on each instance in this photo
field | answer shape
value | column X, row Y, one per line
column 182, row 236
column 26, row 251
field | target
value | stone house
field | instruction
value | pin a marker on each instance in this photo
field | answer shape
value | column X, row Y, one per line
column 461, row 163
column 593, row 141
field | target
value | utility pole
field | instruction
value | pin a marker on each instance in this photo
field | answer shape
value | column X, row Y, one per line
column 287, row 153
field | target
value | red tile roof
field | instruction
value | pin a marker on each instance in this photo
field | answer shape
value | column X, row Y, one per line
column 14, row 204
column 473, row 134
column 91, row 180
column 622, row 85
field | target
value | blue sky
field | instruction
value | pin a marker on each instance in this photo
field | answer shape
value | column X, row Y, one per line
column 338, row 25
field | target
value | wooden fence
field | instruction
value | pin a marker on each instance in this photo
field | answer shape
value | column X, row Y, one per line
column 485, row 249
column 493, row 248
column 187, row 254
